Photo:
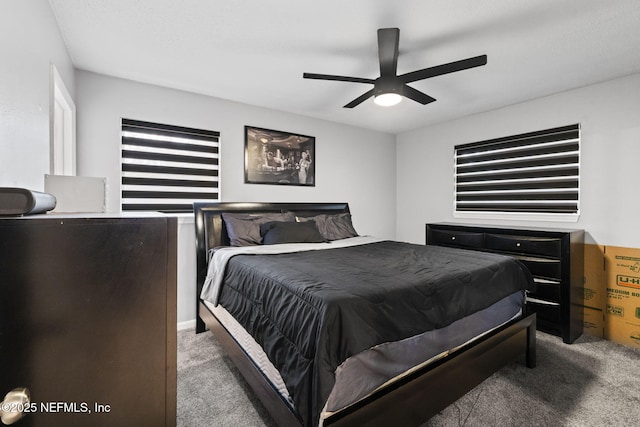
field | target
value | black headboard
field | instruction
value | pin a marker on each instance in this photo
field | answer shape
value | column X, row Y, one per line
column 211, row 231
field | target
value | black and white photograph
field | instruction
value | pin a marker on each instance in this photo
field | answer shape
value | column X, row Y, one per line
column 276, row 157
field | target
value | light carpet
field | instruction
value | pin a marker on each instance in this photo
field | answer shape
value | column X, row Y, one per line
column 592, row 382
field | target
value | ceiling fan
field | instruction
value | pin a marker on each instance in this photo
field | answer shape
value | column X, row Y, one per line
column 389, row 88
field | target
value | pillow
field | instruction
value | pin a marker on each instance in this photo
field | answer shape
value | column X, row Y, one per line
column 274, row 233
column 333, row 227
column 244, row 229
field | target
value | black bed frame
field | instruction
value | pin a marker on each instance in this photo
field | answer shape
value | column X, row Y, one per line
column 409, row 401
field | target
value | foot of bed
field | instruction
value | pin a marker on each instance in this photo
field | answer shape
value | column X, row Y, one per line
column 200, row 325
column 531, row 344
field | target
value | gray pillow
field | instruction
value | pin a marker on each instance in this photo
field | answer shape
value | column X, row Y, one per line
column 244, row 229
column 274, row 233
column 333, row 227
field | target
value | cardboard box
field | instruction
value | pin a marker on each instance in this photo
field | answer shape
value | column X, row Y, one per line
column 595, row 290
column 623, row 331
column 622, row 316
column 594, row 322
column 595, row 285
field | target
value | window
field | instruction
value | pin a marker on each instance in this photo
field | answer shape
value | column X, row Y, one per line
column 535, row 172
column 167, row 168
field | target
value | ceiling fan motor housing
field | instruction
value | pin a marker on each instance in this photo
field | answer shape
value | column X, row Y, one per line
column 387, row 85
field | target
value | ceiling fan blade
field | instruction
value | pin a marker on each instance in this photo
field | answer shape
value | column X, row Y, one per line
column 388, row 39
column 360, row 99
column 439, row 70
column 416, row 95
column 337, row 78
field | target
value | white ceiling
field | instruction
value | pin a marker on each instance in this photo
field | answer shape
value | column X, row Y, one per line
column 255, row 51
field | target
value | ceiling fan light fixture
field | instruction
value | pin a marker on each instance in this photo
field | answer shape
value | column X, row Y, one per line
column 390, row 88
column 387, row 92
column 387, row 99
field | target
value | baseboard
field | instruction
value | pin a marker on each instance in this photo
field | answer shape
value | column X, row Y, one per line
column 189, row 324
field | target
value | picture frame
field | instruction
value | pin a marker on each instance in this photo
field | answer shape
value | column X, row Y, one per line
column 278, row 158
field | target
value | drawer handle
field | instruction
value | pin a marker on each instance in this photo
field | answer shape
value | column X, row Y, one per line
column 14, row 404
column 518, row 244
column 453, row 237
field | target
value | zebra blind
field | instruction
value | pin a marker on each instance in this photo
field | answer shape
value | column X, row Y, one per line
column 535, row 172
column 167, row 168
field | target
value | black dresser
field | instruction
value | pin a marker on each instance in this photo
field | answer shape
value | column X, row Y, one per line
column 88, row 318
column 555, row 258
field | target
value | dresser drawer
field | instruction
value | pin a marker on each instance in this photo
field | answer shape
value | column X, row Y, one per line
column 541, row 267
column 547, row 316
column 544, row 246
column 457, row 238
column 546, row 290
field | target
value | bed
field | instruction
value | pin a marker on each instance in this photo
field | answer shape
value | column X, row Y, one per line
column 309, row 364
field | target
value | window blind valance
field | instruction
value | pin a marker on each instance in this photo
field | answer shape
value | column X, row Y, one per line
column 536, row 172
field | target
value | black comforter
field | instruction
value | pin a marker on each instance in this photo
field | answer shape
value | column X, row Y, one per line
column 312, row 310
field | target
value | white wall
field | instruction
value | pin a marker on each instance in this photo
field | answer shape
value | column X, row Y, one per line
column 609, row 114
column 30, row 41
column 352, row 165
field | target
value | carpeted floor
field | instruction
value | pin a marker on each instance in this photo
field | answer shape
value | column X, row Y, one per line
column 592, row 382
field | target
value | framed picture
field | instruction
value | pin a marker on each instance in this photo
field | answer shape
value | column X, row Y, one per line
column 276, row 157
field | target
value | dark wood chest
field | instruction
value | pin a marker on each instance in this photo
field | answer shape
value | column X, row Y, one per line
column 88, row 318
column 554, row 257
